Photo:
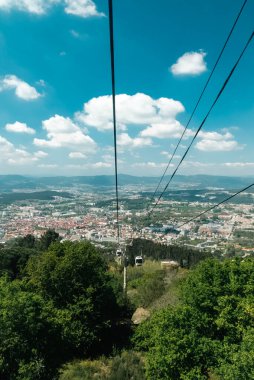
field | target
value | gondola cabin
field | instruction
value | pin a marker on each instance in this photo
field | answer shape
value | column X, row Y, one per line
column 138, row 261
column 119, row 252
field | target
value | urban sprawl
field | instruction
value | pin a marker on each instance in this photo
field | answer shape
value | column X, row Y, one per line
column 91, row 215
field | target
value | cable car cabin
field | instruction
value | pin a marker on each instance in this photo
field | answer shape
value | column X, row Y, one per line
column 138, row 261
column 119, row 252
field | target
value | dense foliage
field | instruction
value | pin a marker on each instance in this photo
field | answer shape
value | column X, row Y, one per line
column 155, row 251
column 145, row 284
column 125, row 366
column 7, row 198
column 64, row 304
column 210, row 332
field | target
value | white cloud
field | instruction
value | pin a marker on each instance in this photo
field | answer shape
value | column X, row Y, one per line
column 6, row 146
column 14, row 156
column 150, row 164
column 190, row 63
column 171, row 129
column 197, row 164
column 216, row 136
column 21, row 157
column 233, row 128
column 38, row 7
column 74, row 33
column 139, row 109
column 217, row 146
column 94, row 165
column 79, row 36
column 40, row 154
column 77, row 155
column 125, row 141
column 22, row 89
column 48, row 166
column 101, row 165
column 169, row 155
column 18, row 127
column 82, row 8
column 108, row 158
column 239, row 164
column 41, row 82
column 62, row 132
column 217, row 142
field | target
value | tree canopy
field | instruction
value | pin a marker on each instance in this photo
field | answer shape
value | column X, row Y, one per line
column 66, row 305
column 209, row 331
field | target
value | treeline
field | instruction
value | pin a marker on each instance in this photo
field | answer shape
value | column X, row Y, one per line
column 15, row 253
column 186, row 256
column 6, row 198
column 58, row 302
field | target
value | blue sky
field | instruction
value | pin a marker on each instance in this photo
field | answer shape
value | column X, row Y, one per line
column 55, row 86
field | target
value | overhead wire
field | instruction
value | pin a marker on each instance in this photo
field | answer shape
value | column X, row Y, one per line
column 204, row 120
column 112, row 62
column 200, row 97
column 216, row 205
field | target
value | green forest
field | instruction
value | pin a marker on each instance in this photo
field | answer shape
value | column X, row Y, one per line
column 64, row 315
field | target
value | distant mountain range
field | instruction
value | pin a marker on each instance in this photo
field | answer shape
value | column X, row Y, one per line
column 9, row 183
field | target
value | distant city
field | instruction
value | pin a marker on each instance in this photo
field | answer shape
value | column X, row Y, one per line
column 78, row 211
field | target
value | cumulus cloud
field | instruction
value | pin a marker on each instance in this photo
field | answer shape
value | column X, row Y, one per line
column 22, row 89
column 170, row 129
column 77, row 155
column 216, row 136
column 18, row 127
column 190, row 63
column 139, row 109
column 63, row 132
column 217, row 142
column 14, row 156
column 82, row 8
column 125, row 141
column 215, row 146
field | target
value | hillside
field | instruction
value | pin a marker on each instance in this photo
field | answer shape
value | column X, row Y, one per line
column 10, row 182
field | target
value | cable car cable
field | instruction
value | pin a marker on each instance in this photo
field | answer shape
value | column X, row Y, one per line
column 218, row 204
column 112, row 61
column 200, row 97
column 204, row 120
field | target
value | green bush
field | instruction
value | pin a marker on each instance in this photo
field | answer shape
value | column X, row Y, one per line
column 128, row 365
column 148, row 288
column 211, row 331
column 85, row 370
